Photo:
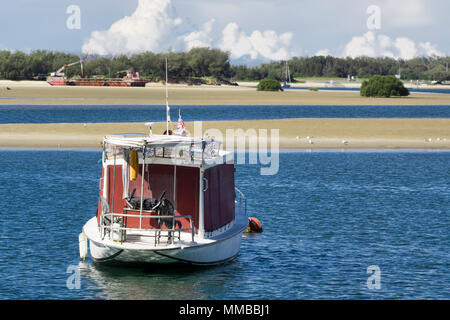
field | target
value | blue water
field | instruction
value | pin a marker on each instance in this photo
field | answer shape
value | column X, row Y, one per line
column 140, row 113
column 327, row 216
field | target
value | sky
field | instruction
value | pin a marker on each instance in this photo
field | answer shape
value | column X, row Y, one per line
column 253, row 31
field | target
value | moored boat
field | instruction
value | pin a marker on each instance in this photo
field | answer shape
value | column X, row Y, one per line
column 165, row 199
column 97, row 82
column 131, row 79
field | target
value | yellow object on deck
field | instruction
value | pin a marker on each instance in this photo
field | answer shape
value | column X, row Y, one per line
column 134, row 165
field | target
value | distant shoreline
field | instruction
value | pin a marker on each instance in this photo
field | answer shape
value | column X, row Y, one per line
column 200, row 95
column 307, row 83
column 326, row 133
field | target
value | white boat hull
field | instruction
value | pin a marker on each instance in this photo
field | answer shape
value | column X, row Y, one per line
column 206, row 254
column 210, row 251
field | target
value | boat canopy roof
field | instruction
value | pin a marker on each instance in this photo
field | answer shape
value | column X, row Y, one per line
column 188, row 150
column 133, row 141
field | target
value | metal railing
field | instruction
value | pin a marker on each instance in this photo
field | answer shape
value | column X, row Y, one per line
column 188, row 152
column 117, row 227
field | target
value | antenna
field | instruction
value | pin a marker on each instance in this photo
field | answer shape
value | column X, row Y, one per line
column 167, row 102
column 150, row 124
column 288, row 71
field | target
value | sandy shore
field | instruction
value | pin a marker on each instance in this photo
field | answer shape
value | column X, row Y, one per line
column 304, row 83
column 200, row 95
column 324, row 133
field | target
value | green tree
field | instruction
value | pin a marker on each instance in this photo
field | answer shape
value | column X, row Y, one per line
column 39, row 62
column 119, row 64
column 61, row 58
column 4, row 57
column 438, row 73
column 17, row 66
column 269, row 85
column 383, row 86
column 98, row 67
column 149, row 64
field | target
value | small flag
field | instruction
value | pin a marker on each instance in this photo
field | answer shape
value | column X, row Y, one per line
column 181, row 128
column 167, row 113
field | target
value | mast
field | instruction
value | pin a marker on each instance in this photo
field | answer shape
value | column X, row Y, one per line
column 201, row 209
column 288, row 73
column 286, row 76
column 167, row 102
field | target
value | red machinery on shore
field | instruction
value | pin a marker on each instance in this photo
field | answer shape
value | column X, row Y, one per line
column 131, row 79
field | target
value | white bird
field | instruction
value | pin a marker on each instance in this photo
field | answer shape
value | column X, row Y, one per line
column 344, row 142
column 428, row 140
column 297, row 137
column 308, row 137
column 310, row 141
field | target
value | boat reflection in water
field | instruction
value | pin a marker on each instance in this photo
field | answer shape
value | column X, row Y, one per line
column 176, row 281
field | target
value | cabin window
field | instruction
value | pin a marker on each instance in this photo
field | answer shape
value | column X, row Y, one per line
column 219, row 197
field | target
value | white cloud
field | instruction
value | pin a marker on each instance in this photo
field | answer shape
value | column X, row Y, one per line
column 361, row 46
column 148, row 28
column 200, row 38
column 430, row 49
column 372, row 45
column 323, row 52
column 406, row 48
column 266, row 45
column 152, row 27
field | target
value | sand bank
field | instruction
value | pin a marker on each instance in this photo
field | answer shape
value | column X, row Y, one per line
column 293, row 133
column 202, row 95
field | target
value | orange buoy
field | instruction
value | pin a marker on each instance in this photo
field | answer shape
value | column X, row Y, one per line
column 254, row 226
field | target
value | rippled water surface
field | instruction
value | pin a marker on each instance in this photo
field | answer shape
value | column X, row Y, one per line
column 327, row 216
column 142, row 113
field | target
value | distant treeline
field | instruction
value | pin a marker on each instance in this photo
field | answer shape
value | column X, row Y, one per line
column 362, row 67
column 205, row 62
